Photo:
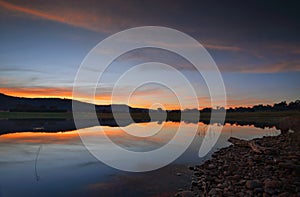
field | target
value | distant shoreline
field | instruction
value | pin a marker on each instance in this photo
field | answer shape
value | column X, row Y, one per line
column 230, row 116
column 280, row 120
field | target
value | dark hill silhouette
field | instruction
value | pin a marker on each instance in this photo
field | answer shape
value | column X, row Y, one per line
column 20, row 104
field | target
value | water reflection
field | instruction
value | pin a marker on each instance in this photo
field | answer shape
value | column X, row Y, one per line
column 66, row 168
column 56, row 125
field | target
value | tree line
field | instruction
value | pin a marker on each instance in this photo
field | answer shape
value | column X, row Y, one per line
column 281, row 106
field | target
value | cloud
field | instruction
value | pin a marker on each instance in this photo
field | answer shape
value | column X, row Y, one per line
column 285, row 48
column 247, row 102
column 274, row 67
column 12, row 69
column 222, row 47
column 37, row 92
column 73, row 16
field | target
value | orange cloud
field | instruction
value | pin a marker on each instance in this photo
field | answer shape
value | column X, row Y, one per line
column 222, row 47
column 71, row 16
column 274, row 68
column 38, row 92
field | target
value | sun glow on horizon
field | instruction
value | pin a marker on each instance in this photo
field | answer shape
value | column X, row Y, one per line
column 66, row 93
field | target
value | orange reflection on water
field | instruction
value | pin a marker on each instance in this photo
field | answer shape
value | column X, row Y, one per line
column 116, row 133
column 40, row 137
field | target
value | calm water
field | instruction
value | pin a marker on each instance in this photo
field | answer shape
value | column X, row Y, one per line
column 57, row 164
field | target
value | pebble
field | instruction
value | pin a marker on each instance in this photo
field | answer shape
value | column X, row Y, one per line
column 251, row 184
column 272, row 184
column 238, row 171
column 184, row 194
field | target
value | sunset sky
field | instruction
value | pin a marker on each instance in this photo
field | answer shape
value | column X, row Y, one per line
column 255, row 44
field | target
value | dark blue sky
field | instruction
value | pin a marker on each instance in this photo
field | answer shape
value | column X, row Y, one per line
column 255, row 44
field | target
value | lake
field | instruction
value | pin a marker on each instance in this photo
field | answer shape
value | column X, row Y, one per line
column 38, row 163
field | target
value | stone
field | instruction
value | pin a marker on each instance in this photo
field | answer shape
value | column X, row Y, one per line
column 191, row 168
column 284, row 194
column 211, row 166
column 251, row 184
column 258, row 190
column 220, row 186
column 194, row 183
column 215, row 191
column 230, row 173
column 269, row 191
column 272, row 184
column 184, row 194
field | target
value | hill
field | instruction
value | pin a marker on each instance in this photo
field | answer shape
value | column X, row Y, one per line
column 20, row 104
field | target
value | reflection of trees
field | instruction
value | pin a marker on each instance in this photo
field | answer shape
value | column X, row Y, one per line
column 55, row 125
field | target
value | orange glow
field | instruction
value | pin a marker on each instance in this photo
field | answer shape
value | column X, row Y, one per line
column 39, row 137
column 247, row 102
column 49, row 92
column 118, row 134
column 38, row 92
column 31, row 11
column 67, row 15
column 115, row 133
column 103, row 99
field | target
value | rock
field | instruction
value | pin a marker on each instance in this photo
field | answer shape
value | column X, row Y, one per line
column 251, row 184
column 220, row 186
column 242, row 182
column 215, row 191
column 238, row 171
column 194, row 183
column 184, row 194
column 286, row 165
column 191, row 168
column 209, row 178
column 269, row 191
column 234, row 177
column 272, row 184
column 258, row 190
column 211, row 166
column 269, row 167
column 284, row 194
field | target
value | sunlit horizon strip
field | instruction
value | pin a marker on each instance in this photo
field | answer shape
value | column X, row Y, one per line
column 65, row 93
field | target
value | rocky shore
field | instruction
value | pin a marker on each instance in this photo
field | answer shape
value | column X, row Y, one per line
column 241, row 171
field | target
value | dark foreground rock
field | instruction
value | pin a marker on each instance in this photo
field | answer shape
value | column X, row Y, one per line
column 240, row 171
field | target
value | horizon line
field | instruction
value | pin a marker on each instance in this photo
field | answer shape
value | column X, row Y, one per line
column 143, row 107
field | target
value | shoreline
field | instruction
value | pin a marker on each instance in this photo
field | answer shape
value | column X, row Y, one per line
column 240, row 171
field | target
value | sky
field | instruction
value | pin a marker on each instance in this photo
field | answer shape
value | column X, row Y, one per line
column 255, row 44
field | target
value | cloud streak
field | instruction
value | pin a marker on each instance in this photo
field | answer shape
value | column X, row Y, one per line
column 223, row 47
column 275, row 67
column 71, row 16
